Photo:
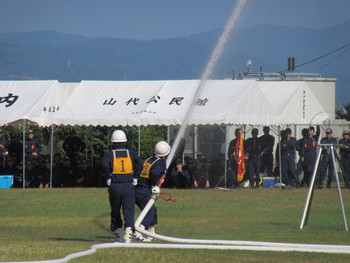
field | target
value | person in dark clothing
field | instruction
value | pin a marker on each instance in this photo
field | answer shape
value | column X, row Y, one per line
column 179, row 151
column 232, row 158
column 254, row 150
column 73, row 145
column 192, row 170
column 66, row 173
column 85, row 176
column 300, row 164
column 202, row 177
column 268, row 142
column 288, row 150
column 31, row 175
column 327, row 162
column 180, row 175
column 32, row 146
column 308, row 157
column 43, row 175
column 345, row 156
column 121, row 164
column 313, row 135
column 278, row 169
column 154, row 168
column 15, row 148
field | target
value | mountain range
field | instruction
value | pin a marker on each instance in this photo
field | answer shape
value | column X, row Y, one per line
column 72, row 58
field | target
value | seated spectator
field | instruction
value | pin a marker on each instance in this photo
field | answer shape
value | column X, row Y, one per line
column 202, row 177
column 30, row 175
column 180, row 175
column 192, row 171
column 43, row 177
column 67, row 173
column 85, row 176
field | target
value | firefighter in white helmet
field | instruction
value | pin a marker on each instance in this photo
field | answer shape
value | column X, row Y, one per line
column 121, row 164
column 153, row 169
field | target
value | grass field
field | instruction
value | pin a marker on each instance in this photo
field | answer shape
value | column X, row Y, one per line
column 41, row 224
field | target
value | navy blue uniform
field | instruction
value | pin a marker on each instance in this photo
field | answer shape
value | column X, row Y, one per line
column 121, row 163
column 153, row 169
column 32, row 146
column 327, row 161
column 254, row 149
column 345, row 159
column 268, row 142
column 288, row 150
column 308, row 154
column 299, row 167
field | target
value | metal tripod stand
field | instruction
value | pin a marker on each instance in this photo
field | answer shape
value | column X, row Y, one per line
column 235, row 180
column 312, row 184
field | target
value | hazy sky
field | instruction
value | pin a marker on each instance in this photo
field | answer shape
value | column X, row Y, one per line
column 152, row 19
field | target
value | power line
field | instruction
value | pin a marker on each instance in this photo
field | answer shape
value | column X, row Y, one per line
column 318, row 70
column 318, row 58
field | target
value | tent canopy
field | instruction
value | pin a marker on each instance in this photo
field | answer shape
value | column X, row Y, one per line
column 36, row 101
column 128, row 103
column 164, row 102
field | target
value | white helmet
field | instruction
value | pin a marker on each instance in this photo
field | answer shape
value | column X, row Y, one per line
column 118, row 136
column 162, row 149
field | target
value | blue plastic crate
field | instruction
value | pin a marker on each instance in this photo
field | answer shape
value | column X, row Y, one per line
column 6, row 181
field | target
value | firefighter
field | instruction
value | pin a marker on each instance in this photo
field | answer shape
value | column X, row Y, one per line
column 153, row 169
column 32, row 146
column 120, row 165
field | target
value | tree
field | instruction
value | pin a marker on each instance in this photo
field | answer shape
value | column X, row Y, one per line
column 343, row 113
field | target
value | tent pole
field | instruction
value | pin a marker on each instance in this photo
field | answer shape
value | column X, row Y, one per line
column 226, row 151
column 139, row 140
column 279, row 156
column 51, row 154
column 91, row 148
column 108, row 140
column 86, row 139
column 24, row 154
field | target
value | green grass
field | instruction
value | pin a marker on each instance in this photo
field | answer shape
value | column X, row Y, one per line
column 39, row 224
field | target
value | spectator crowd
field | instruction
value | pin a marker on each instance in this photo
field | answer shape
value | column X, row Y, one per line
column 296, row 160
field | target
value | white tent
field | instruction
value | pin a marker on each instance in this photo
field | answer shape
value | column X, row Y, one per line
column 35, row 101
column 294, row 102
column 127, row 103
column 165, row 103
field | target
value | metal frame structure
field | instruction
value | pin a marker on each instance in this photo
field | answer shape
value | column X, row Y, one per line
column 307, row 208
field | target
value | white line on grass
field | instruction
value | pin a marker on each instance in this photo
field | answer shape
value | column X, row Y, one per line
column 316, row 248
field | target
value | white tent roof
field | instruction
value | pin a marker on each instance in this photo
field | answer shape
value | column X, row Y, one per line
column 293, row 101
column 36, row 101
column 127, row 103
column 114, row 103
